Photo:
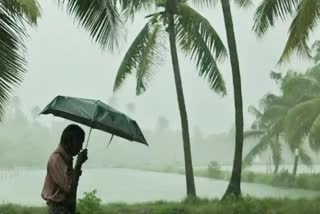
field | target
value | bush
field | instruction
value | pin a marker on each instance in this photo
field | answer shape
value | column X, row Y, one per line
column 90, row 203
column 284, row 178
column 214, row 170
column 248, row 177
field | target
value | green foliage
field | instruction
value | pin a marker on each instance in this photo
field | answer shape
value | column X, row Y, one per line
column 90, row 203
column 306, row 16
column 196, row 37
column 203, row 206
column 15, row 15
column 214, row 170
column 284, row 178
column 100, row 18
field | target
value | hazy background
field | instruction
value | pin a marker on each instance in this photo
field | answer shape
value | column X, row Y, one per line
column 63, row 61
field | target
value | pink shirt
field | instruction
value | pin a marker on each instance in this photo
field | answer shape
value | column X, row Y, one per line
column 58, row 181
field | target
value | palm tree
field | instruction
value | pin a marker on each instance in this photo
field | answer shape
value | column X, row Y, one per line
column 14, row 16
column 268, row 138
column 197, row 39
column 234, row 186
column 100, row 18
column 269, row 128
column 302, row 120
column 305, row 14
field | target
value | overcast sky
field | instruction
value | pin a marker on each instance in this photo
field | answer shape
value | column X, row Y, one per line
column 63, row 61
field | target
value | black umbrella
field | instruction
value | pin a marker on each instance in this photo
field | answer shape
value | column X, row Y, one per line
column 96, row 115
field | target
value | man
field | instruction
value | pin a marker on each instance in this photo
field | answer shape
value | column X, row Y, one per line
column 60, row 186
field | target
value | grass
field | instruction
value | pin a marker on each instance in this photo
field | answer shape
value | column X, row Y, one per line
column 247, row 205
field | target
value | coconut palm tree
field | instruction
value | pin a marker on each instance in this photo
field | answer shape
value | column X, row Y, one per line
column 234, row 186
column 186, row 28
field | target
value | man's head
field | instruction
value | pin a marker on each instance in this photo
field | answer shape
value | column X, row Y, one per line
column 72, row 139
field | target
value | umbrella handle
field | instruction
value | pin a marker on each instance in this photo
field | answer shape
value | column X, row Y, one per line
column 88, row 137
column 110, row 141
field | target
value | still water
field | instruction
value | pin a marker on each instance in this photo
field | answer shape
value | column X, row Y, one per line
column 130, row 186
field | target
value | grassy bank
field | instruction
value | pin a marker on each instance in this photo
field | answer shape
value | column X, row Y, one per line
column 244, row 206
column 281, row 179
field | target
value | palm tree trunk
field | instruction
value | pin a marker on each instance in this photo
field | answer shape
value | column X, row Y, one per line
column 234, row 186
column 191, row 191
column 276, row 169
column 295, row 165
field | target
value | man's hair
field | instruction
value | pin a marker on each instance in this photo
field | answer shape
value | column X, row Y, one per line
column 72, row 133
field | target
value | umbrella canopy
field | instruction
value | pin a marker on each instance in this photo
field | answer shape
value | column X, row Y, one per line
column 97, row 115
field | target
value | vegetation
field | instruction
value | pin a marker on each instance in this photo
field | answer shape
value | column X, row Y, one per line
column 291, row 118
column 15, row 16
column 201, row 206
column 305, row 15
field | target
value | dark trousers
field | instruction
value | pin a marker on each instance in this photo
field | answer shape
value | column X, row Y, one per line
column 58, row 210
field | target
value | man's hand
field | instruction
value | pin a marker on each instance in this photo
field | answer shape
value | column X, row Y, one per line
column 82, row 157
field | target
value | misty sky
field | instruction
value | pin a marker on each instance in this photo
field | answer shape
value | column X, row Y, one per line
column 63, row 60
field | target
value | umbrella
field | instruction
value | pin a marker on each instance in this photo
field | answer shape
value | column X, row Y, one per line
column 96, row 115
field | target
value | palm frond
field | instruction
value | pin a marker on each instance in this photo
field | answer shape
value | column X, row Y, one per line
column 27, row 9
column 305, row 158
column 244, row 3
column 274, row 113
column 99, row 17
column 271, row 99
column 151, row 54
column 139, row 57
column 253, row 134
column 314, row 135
column 255, row 112
column 131, row 7
column 316, row 48
column 300, row 85
column 300, row 119
column 305, row 21
column 191, row 22
column 256, row 150
column 199, row 40
column 270, row 10
column 12, row 63
column 205, row 3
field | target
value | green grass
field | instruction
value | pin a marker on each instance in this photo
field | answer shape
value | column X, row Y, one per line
column 247, row 205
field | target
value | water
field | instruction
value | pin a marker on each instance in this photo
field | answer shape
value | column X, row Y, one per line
column 130, row 186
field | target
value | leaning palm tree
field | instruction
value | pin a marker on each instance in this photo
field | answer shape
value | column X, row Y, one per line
column 306, row 14
column 14, row 16
column 196, row 38
column 100, row 18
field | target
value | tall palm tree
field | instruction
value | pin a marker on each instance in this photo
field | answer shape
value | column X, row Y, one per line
column 305, row 13
column 14, row 16
column 100, row 18
column 196, row 38
column 234, row 186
